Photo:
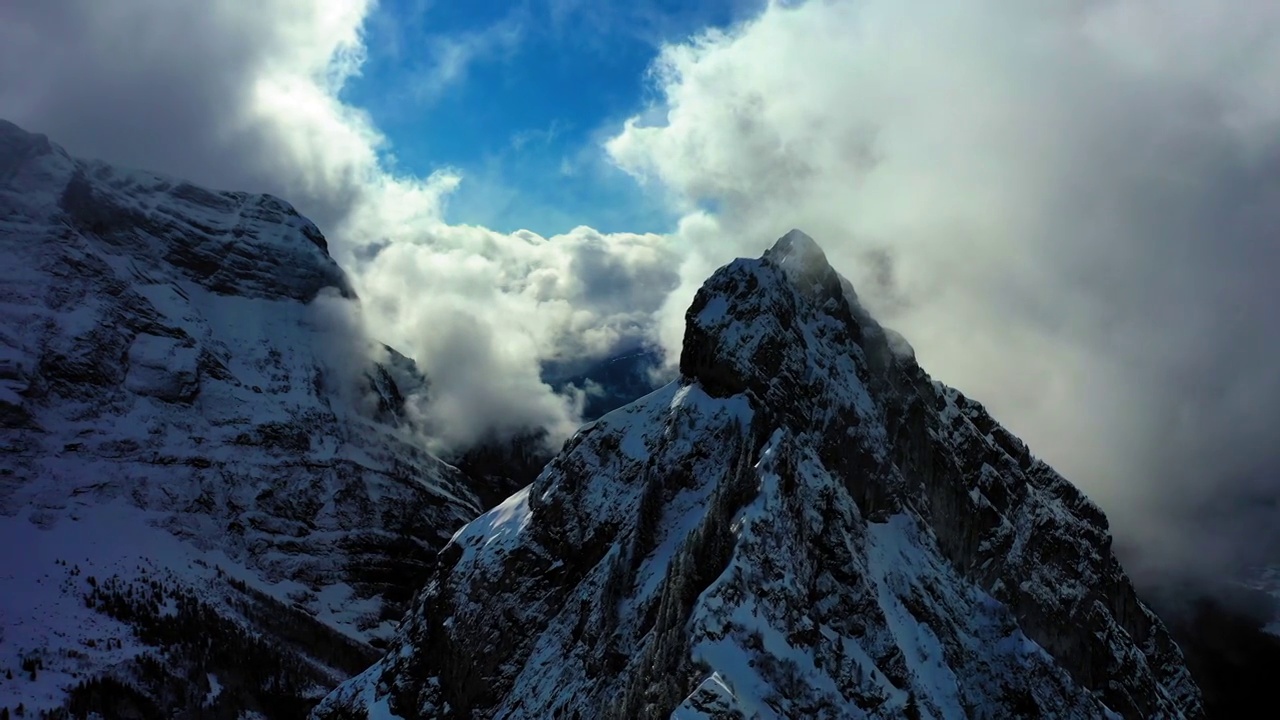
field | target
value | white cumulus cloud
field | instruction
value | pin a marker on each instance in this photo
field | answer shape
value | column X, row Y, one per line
column 247, row 96
column 1070, row 208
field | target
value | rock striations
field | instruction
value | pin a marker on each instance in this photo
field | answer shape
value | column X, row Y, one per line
column 804, row 525
column 211, row 502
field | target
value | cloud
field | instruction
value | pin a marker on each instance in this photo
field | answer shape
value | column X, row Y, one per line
column 537, row 137
column 247, row 97
column 1070, row 208
column 482, row 310
column 219, row 92
column 451, row 56
column 601, row 24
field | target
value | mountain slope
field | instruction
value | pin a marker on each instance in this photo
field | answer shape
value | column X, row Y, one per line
column 212, row 499
column 803, row 525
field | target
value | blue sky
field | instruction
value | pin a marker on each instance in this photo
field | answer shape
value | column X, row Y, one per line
column 519, row 96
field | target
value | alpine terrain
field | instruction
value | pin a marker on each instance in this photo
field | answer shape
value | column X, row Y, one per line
column 213, row 503
column 803, row 525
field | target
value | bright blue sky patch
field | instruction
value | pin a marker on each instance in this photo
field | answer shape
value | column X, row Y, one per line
column 519, row 96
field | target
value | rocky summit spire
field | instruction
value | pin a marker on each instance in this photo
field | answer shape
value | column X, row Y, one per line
column 804, row 263
column 803, row 525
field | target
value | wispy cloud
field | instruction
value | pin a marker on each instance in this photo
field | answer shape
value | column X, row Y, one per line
column 418, row 64
column 538, row 137
column 600, row 24
column 447, row 59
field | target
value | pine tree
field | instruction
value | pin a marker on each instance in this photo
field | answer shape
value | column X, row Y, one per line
column 911, row 710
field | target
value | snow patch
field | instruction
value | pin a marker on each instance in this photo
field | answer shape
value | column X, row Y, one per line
column 163, row 367
column 499, row 526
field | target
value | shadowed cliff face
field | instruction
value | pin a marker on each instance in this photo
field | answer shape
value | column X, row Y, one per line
column 803, row 525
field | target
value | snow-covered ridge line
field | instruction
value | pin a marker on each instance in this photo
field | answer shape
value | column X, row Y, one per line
column 231, row 242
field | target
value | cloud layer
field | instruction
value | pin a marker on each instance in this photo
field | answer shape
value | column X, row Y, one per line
column 1069, row 207
column 247, row 97
column 1072, row 209
column 481, row 310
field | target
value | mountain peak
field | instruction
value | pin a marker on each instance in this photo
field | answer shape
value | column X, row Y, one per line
column 804, row 264
column 803, row 525
column 797, row 242
column 758, row 323
column 233, row 243
column 797, row 250
column 13, row 138
column 231, row 460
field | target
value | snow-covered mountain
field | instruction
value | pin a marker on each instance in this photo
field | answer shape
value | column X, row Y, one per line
column 212, row 499
column 214, row 503
column 804, row 525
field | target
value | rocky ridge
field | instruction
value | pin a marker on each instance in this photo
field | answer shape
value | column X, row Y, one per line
column 803, row 525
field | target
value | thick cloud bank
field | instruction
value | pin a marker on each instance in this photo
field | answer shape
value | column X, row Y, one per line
column 1069, row 207
column 246, row 96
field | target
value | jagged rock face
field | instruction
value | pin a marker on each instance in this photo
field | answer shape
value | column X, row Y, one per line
column 231, row 242
column 804, row 525
column 174, row 360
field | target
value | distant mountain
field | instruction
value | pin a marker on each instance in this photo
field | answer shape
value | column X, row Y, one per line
column 802, row 525
column 502, row 465
column 1229, row 632
column 212, row 503
column 611, row 382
